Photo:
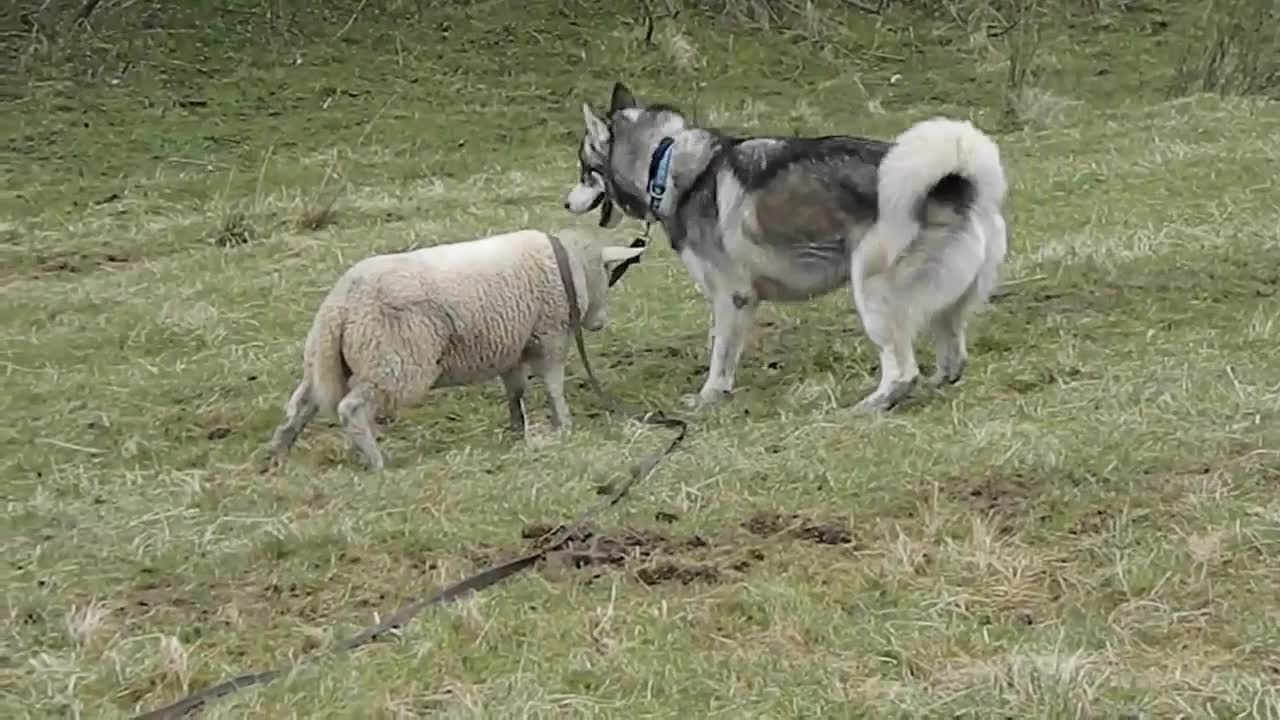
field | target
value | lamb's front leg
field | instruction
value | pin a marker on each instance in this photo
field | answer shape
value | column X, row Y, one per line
column 733, row 316
column 515, row 382
column 550, row 367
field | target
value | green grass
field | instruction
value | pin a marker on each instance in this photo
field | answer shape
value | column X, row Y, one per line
column 1086, row 526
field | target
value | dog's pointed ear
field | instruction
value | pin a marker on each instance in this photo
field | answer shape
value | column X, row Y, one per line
column 621, row 99
column 597, row 129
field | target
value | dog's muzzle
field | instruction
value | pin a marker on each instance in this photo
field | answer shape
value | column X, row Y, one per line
column 584, row 198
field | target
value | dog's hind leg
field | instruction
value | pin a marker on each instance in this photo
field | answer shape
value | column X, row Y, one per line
column 733, row 314
column 947, row 329
column 947, row 326
column 891, row 328
column 711, row 336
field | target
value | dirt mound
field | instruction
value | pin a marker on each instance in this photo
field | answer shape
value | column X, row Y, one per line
column 768, row 524
column 655, row 558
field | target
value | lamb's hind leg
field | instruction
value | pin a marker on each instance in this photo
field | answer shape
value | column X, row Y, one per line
column 299, row 411
column 357, row 411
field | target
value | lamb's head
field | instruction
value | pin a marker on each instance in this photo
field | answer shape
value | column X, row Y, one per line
column 602, row 263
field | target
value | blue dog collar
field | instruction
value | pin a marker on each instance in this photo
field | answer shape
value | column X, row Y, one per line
column 659, row 172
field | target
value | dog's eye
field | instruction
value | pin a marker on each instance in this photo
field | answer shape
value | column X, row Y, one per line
column 592, row 177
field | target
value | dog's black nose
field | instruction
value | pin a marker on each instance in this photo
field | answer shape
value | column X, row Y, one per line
column 566, row 204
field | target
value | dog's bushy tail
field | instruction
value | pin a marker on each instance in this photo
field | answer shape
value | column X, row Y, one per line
column 938, row 161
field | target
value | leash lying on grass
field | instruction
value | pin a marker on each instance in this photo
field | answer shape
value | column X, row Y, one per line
column 493, row 575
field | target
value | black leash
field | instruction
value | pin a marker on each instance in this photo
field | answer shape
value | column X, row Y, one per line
column 486, row 578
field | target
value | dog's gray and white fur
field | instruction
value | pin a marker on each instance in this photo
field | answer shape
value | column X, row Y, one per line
column 914, row 226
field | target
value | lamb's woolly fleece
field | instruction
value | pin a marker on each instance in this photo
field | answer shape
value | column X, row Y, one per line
column 447, row 315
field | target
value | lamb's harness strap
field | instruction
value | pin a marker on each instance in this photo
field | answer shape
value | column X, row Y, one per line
column 546, row 545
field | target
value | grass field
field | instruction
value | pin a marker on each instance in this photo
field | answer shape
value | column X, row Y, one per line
column 1088, row 525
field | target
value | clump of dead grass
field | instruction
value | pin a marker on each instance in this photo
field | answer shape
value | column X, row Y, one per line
column 1021, row 46
column 234, row 230
column 1237, row 51
column 321, row 212
column 805, row 17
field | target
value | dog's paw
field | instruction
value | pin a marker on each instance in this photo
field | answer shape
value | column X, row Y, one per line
column 705, row 399
column 939, row 381
column 870, row 406
column 945, row 376
column 884, row 400
column 699, row 401
column 538, row 438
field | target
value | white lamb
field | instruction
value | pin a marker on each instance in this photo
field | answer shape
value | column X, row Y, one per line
column 395, row 326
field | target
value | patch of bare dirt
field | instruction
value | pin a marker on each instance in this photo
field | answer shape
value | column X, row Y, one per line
column 1092, row 522
column 1006, row 500
column 74, row 263
column 1044, row 377
column 992, row 494
column 627, row 357
column 769, row 523
column 675, row 572
column 652, row 557
column 656, row 558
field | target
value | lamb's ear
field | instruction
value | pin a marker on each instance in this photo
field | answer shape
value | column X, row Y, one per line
column 621, row 99
column 614, row 254
column 618, row 259
column 597, row 129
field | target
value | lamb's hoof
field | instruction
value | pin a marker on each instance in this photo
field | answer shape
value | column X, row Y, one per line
column 376, row 463
column 273, row 458
column 882, row 401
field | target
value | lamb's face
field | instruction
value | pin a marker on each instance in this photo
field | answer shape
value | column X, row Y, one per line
column 600, row 261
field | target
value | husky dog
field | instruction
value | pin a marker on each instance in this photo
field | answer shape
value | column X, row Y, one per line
column 915, row 226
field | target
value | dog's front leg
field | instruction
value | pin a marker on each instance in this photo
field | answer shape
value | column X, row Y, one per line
column 711, row 337
column 733, row 315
